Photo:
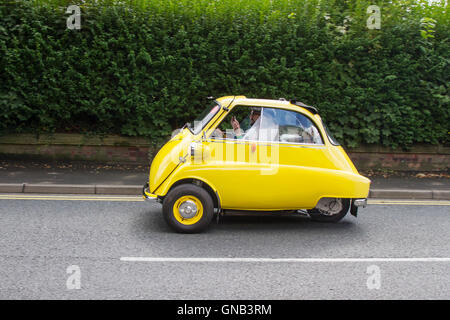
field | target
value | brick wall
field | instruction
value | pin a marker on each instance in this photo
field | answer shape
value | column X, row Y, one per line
column 118, row 149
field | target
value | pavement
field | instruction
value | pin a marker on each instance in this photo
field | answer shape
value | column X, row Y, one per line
column 106, row 247
column 94, row 178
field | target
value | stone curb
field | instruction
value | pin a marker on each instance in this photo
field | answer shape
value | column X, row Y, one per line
column 70, row 188
column 122, row 190
column 59, row 188
column 137, row 190
column 409, row 194
column 401, row 194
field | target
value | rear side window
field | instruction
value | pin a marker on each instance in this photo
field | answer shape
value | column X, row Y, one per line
column 288, row 126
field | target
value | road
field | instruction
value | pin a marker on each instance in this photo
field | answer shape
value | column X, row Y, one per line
column 120, row 248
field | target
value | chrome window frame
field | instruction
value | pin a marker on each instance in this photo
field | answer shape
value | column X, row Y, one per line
column 267, row 143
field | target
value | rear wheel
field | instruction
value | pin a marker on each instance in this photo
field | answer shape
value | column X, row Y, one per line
column 330, row 210
column 188, row 208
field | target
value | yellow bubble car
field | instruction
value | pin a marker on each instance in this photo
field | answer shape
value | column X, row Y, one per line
column 252, row 155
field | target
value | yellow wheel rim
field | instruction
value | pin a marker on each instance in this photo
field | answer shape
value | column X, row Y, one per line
column 188, row 210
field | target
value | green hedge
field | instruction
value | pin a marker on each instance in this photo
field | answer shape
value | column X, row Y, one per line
column 144, row 68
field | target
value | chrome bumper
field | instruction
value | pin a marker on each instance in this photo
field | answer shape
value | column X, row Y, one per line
column 356, row 204
column 360, row 203
column 146, row 193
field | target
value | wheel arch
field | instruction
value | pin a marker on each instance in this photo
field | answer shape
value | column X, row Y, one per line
column 201, row 183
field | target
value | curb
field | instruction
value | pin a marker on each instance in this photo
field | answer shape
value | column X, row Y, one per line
column 70, row 188
column 137, row 190
column 59, row 188
column 122, row 190
column 409, row 194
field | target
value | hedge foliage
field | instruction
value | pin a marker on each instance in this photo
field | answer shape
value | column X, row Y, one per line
column 143, row 68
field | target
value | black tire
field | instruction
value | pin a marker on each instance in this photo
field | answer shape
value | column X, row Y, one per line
column 188, row 190
column 317, row 215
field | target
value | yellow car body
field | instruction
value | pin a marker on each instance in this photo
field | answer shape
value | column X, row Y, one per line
column 256, row 175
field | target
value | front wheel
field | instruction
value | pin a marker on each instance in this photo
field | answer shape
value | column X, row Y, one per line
column 330, row 210
column 188, row 208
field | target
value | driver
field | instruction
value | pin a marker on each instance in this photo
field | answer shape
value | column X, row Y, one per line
column 239, row 129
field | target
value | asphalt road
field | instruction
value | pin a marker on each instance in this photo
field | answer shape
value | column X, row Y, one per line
column 45, row 244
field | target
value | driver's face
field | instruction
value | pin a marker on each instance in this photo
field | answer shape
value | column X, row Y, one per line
column 254, row 115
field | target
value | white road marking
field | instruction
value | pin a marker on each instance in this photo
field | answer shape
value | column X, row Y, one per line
column 283, row 260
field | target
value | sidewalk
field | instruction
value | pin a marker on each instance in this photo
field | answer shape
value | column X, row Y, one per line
column 92, row 178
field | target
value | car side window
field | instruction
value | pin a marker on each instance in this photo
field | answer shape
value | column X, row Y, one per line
column 288, row 126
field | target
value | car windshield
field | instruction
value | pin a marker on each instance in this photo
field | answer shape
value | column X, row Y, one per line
column 202, row 120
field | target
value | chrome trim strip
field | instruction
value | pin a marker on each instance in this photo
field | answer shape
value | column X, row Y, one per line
column 270, row 143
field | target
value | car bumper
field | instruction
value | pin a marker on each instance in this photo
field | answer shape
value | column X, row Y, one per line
column 360, row 202
column 356, row 204
column 146, row 193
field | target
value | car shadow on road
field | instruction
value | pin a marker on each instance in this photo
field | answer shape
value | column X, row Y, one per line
column 265, row 221
column 255, row 221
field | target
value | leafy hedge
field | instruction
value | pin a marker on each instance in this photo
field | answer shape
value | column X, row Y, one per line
column 144, row 67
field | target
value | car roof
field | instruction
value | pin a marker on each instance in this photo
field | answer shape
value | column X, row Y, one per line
column 280, row 104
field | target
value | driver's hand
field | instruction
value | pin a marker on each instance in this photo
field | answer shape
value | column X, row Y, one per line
column 235, row 123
